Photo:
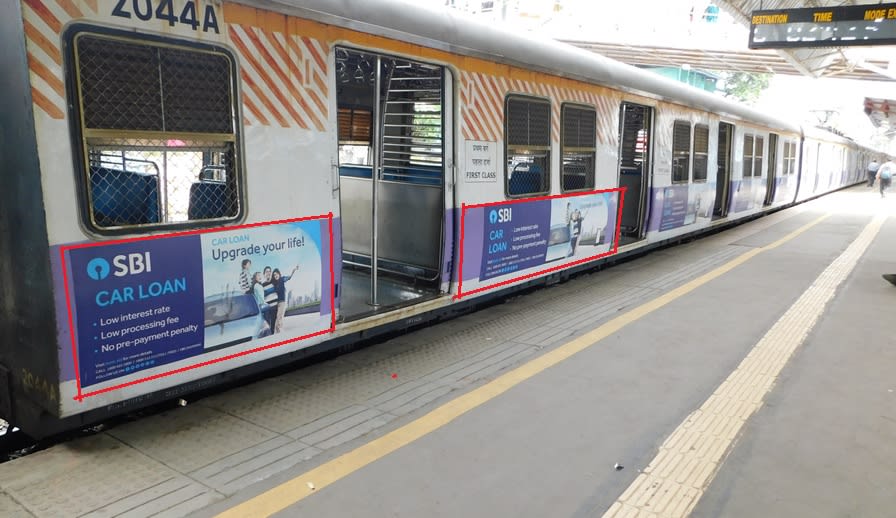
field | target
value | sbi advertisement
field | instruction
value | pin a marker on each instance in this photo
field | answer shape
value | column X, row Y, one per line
column 518, row 236
column 143, row 304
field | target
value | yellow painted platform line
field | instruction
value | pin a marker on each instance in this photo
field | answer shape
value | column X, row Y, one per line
column 300, row 487
column 688, row 460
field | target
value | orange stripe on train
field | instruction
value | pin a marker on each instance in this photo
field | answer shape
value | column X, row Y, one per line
column 69, row 8
column 44, row 14
column 46, row 104
column 46, row 74
column 34, row 36
column 263, row 97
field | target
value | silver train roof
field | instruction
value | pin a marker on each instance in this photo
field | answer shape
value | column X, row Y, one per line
column 458, row 33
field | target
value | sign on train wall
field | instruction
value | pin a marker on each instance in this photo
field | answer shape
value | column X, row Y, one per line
column 509, row 241
column 481, row 162
column 136, row 305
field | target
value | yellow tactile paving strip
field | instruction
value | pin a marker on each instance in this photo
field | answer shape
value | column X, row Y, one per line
column 688, row 460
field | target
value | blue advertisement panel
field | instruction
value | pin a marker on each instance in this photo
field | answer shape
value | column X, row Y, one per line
column 518, row 236
column 144, row 304
column 747, row 194
column 676, row 210
column 138, row 305
column 676, row 206
column 515, row 237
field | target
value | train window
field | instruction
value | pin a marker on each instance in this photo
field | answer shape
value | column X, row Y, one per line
column 701, row 152
column 578, row 147
column 789, row 157
column 157, row 126
column 758, row 156
column 528, row 143
column 748, row 155
column 681, row 152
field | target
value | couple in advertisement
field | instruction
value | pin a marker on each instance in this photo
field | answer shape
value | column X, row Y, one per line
column 277, row 289
column 268, row 288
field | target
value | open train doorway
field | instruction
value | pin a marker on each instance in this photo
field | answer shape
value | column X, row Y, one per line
column 772, row 168
column 635, row 146
column 723, row 170
column 391, row 129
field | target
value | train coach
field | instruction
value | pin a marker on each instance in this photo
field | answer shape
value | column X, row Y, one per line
column 195, row 191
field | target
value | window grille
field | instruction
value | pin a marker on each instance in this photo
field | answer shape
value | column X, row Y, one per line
column 701, row 152
column 157, row 127
column 412, row 122
column 634, row 144
column 681, row 152
column 528, row 140
column 578, row 146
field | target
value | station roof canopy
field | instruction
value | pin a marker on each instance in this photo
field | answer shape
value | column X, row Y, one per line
column 710, row 52
column 755, row 61
column 866, row 63
column 721, row 49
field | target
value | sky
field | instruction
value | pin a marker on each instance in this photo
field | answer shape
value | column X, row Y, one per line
column 670, row 23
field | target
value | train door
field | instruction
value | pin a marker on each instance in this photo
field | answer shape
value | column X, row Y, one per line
column 635, row 147
column 772, row 168
column 723, row 170
column 392, row 151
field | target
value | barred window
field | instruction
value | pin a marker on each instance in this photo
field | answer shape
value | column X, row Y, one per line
column 157, row 126
column 748, row 156
column 681, row 152
column 701, row 152
column 578, row 147
column 528, row 141
column 758, row 156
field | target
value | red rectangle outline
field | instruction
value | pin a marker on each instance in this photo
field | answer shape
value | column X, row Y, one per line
column 460, row 272
column 82, row 395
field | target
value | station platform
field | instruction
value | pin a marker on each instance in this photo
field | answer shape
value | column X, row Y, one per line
column 748, row 373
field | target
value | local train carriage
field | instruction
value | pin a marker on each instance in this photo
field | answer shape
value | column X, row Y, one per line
column 194, row 191
column 830, row 161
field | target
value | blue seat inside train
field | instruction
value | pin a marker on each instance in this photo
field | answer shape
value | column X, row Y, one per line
column 124, row 197
column 208, row 200
column 525, row 180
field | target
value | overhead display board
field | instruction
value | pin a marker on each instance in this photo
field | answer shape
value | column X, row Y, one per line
column 873, row 24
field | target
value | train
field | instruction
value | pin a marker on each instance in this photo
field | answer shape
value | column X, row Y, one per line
column 197, row 191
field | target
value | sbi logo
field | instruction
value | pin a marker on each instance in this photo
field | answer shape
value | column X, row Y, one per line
column 130, row 264
column 500, row 215
column 98, row 268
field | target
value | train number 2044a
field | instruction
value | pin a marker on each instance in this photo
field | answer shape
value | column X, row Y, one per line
column 164, row 10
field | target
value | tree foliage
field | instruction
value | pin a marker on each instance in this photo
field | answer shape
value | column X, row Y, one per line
column 744, row 86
